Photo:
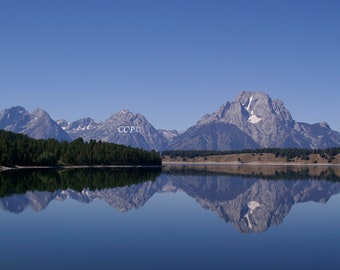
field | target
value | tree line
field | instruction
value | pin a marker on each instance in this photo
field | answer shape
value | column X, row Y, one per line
column 288, row 153
column 19, row 149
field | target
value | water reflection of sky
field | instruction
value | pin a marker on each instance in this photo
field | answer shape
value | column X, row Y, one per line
column 170, row 230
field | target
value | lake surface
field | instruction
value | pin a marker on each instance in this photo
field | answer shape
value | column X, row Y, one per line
column 209, row 217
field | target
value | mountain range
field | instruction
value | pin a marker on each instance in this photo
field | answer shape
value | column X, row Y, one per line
column 252, row 120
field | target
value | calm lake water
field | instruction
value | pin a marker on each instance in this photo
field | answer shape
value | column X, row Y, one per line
column 175, row 218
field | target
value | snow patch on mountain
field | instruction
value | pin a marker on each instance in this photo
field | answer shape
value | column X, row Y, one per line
column 249, row 103
column 253, row 118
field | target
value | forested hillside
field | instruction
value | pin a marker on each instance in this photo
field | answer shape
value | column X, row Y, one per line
column 19, row 149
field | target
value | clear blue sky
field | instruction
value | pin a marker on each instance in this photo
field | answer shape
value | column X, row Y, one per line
column 172, row 61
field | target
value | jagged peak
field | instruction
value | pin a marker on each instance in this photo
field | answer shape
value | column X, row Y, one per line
column 16, row 109
column 39, row 111
column 261, row 103
column 246, row 95
column 124, row 111
column 13, row 116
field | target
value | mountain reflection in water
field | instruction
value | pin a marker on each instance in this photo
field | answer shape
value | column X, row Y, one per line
column 251, row 198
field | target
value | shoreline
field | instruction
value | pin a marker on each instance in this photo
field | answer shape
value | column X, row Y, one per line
column 17, row 167
column 173, row 163
column 167, row 163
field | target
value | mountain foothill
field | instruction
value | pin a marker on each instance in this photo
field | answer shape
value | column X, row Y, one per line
column 253, row 120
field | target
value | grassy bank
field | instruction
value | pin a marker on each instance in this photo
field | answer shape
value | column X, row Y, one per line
column 252, row 158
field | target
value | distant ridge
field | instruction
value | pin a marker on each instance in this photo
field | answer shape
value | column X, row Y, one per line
column 252, row 120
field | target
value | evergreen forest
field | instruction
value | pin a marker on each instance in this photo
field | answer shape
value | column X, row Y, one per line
column 21, row 150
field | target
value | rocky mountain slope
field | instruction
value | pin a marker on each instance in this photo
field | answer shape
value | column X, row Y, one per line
column 213, row 136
